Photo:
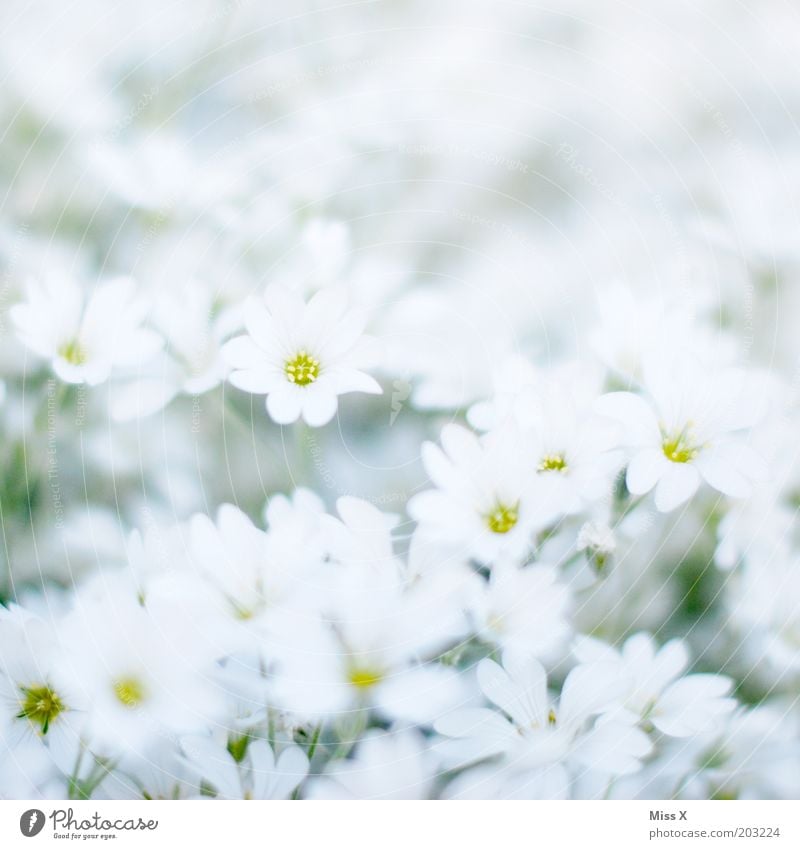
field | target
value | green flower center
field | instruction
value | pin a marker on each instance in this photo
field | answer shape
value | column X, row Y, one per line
column 679, row 447
column 40, row 705
column 129, row 691
column 502, row 518
column 73, row 352
column 302, row 369
column 553, row 463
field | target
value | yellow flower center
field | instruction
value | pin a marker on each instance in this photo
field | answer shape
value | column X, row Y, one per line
column 302, row 369
column 679, row 447
column 553, row 463
column 364, row 677
column 502, row 518
column 129, row 691
column 73, row 352
column 40, row 705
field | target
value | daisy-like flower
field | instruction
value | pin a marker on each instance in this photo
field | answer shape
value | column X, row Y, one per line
column 540, row 745
column 85, row 337
column 387, row 765
column 253, row 573
column 302, row 356
column 250, row 772
column 486, row 503
column 762, row 600
column 36, row 699
column 689, row 429
column 138, row 675
column 572, row 450
column 656, row 692
column 523, row 608
column 369, row 651
column 194, row 325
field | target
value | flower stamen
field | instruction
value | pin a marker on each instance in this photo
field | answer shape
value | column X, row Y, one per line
column 40, row 705
column 502, row 518
column 73, row 352
column 129, row 691
column 302, row 369
column 679, row 447
column 553, row 463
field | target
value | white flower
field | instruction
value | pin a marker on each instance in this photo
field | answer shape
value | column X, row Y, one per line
column 234, row 557
column 539, row 744
column 655, row 691
column 85, row 337
column 629, row 327
column 36, row 698
column 194, row 327
column 362, row 536
column 487, row 502
column 523, row 608
column 597, row 539
column 763, row 604
column 301, row 356
column 566, row 444
column 161, row 774
column 755, row 757
column 141, row 678
column 369, row 649
column 688, row 431
column 257, row 774
column 387, row 765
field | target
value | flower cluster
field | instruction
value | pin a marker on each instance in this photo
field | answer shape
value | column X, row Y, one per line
column 366, row 440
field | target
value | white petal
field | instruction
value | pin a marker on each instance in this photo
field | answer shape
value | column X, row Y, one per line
column 635, row 415
column 613, row 748
column 259, row 323
column 292, row 768
column 722, row 468
column 589, row 689
column 352, row 380
column 242, row 353
column 319, row 407
column 677, row 485
column 257, row 381
column 644, row 470
column 477, row 723
column 524, row 699
column 284, row 404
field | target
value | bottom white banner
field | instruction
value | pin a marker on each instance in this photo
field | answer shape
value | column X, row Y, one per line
column 489, row 825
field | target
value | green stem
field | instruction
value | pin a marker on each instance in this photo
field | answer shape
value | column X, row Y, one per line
column 314, row 740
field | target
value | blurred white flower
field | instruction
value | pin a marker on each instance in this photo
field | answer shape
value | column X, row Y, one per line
column 138, row 676
column 36, row 699
column 486, row 502
column 257, row 774
column 543, row 744
column 85, row 336
column 523, row 608
column 690, row 429
column 301, row 356
column 655, row 689
column 386, row 765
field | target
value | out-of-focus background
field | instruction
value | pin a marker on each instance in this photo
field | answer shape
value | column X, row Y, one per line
column 485, row 178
